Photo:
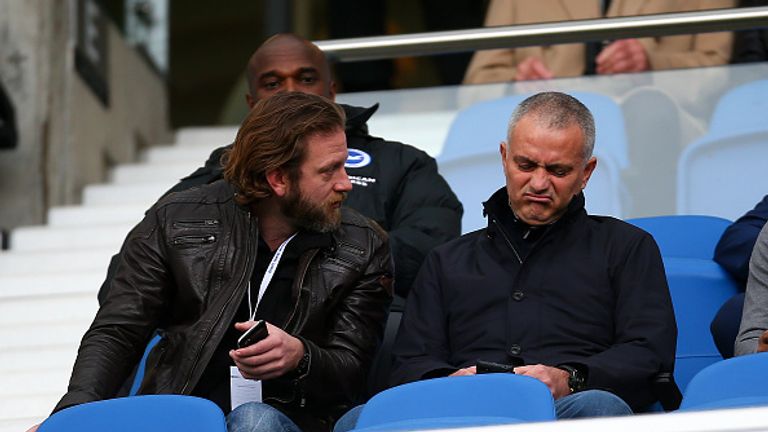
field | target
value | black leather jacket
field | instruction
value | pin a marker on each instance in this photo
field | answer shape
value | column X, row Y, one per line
column 185, row 268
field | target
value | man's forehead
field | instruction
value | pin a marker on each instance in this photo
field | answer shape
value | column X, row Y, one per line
column 286, row 58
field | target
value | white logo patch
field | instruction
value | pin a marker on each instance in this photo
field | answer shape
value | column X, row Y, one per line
column 357, row 159
column 361, row 181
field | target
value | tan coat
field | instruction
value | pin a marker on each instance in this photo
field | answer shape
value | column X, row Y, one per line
column 567, row 60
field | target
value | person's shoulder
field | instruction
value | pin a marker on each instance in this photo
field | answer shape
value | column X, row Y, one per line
column 358, row 136
column 462, row 245
column 353, row 221
column 217, row 192
column 617, row 229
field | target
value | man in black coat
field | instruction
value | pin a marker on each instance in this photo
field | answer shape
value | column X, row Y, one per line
column 577, row 301
column 394, row 184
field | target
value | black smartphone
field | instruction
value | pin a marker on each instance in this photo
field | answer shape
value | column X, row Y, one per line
column 254, row 334
column 484, row 367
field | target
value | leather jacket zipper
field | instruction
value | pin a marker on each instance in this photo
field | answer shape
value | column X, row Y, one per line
column 249, row 270
column 194, row 240
column 195, row 223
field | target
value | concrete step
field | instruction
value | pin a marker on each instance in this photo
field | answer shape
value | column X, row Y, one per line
column 18, row 409
column 195, row 154
column 167, row 172
column 41, row 284
column 92, row 216
column 14, row 263
column 23, row 337
column 36, row 383
column 18, row 424
column 59, row 357
column 215, row 136
column 51, row 309
column 142, row 195
column 45, row 238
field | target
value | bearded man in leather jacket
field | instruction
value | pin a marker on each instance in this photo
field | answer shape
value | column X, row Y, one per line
column 395, row 184
column 271, row 242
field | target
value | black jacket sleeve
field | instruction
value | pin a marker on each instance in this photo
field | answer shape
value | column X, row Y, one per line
column 421, row 347
column 735, row 246
column 645, row 333
column 425, row 214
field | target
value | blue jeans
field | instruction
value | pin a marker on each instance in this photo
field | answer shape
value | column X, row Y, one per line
column 591, row 403
column 588, row 403
column 259, row 417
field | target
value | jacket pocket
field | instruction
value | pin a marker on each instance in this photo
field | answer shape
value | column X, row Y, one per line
column 194, row 240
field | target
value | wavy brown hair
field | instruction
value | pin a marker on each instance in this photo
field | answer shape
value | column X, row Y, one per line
column 273, row 136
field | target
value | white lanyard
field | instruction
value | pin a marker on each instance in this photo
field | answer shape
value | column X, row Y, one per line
column 267, row 276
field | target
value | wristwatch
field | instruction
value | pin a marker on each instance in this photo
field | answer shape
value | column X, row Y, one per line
column 576, row 379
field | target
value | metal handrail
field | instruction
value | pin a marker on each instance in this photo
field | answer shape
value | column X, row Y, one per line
column 382, row 47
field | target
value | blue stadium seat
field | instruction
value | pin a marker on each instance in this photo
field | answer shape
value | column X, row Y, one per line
column 698, row 288
column 736, row 382
column 160, row 413
column 684, row 236
column 471, row 163
column 741, row 109
column 722, row 173
column 141, row 369
column 459, row 401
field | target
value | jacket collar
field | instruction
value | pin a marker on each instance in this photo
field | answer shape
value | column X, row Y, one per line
column 497, row 206
column 357, row 118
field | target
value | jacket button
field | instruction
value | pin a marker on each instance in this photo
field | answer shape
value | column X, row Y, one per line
column 518, row 295
column 515, row 350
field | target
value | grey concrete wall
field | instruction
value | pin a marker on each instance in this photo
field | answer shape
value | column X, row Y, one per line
column 67, row 138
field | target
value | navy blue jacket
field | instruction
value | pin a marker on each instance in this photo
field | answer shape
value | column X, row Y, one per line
column 590, row 292
column 735, row 246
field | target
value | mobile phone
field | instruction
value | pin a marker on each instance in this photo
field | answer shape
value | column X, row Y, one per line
column 484, row 367
column 254, row 334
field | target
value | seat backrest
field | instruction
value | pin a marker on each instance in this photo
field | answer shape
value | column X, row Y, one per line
column 736, row 382
column 141, row 368
column 684, row 236
column 500, row 396
column 378, row 376
column 480, row 127
column 741, row 109
column 698, row 288
column 139, row 413
column 723, row 175
column 471, row 163
column 474, row 178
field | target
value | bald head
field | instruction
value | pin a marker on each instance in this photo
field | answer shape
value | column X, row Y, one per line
column 286, row 62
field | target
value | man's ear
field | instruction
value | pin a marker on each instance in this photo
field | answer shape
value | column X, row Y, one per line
column 279, row 182
column 588, row 170
column 503, row 152
column 250, row 100
column 332, row 91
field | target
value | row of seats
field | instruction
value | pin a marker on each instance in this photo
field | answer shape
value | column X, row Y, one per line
column 430, row 404
column 716, row 165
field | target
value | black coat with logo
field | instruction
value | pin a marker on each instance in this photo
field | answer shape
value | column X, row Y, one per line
column 185, row 269
column 395, row 184
column 590, row 292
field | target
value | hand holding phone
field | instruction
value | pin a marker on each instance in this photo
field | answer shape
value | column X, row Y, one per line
column 254, row 334
column 484, row 367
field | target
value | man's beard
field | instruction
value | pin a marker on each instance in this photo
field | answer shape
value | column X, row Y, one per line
column 304, row 214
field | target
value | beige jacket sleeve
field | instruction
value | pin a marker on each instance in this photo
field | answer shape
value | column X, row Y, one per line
column 494, row 65
column 669, row 52
column 686, row 51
